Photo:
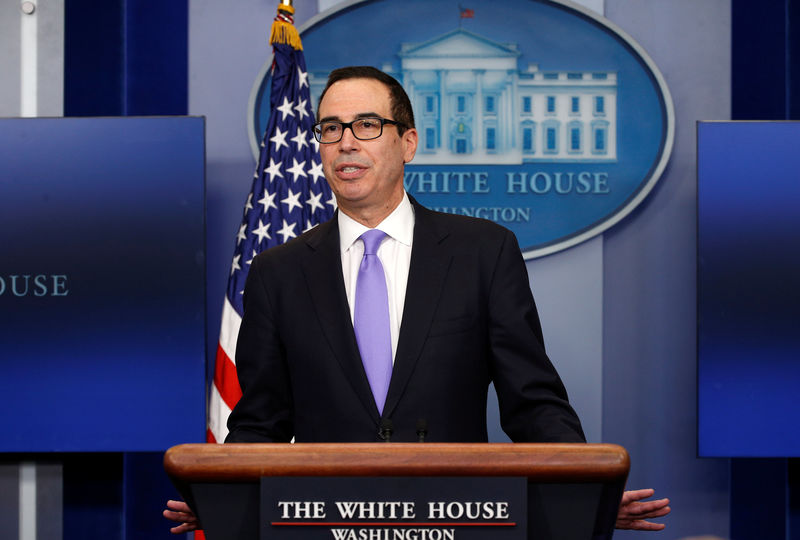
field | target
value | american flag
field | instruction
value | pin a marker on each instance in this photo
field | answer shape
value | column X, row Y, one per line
column 289, row 196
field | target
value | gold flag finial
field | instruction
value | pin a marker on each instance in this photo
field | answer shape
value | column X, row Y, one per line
column 286, row 5
column 283, row 30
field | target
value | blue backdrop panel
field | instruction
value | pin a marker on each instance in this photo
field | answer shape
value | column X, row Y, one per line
column 102, row 283
column 748, row 291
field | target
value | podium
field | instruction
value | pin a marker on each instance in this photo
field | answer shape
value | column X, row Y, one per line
column 573, row 490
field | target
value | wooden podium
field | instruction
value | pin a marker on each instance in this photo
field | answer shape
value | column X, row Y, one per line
column 573, row 489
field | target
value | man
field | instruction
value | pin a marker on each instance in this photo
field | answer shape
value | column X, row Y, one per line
column 456, row 311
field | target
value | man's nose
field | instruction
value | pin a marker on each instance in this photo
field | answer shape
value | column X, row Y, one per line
column 349, row 141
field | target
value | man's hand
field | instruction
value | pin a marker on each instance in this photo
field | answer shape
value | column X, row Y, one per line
column 179, row 511
column 634, row 514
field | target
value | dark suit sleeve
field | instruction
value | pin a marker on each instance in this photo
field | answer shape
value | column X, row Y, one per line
column 264, row 413
column 533, row 401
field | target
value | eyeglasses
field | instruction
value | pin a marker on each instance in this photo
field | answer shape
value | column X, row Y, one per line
column 363, row 129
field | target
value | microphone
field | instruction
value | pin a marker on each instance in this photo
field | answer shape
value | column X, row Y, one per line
column 422, row 429
column 385, row 430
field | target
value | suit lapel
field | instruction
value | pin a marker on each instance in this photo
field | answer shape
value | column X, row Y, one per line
column 323, row 270
column 429, row 264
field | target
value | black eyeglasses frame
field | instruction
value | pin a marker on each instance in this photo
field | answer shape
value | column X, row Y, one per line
column 383, row 121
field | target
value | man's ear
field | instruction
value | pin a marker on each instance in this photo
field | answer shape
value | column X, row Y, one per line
column 410, row 139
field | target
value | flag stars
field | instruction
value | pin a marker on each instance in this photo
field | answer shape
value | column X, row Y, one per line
column 300, row 139
column 235, row 265
column 297, row 169
column 287, row 231
column 332, row 201
column 249, row 204
column 268, row 200
column 262, row 231
column 279, row 139
column 273, row 170
column 316, row 171
column 242, row 235
column 314, row 202
column 302, row 78
column 286, row 108
column 302, row 109
column 252, row 257
column 315, row 143
column 291, row 201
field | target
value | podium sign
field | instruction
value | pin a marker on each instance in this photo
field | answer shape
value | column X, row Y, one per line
column 393, row 508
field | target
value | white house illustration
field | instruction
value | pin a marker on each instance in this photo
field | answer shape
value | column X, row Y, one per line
column 473, row 105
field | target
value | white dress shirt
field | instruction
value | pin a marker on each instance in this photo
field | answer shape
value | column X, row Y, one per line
column 394, row 254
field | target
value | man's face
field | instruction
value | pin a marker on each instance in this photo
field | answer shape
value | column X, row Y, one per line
column 365, row 176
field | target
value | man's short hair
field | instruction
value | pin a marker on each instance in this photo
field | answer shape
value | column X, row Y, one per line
column 398, row 99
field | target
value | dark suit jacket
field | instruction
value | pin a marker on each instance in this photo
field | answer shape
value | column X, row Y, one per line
column 469, row 318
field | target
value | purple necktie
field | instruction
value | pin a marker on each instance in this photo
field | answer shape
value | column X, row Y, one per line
column 371, row 318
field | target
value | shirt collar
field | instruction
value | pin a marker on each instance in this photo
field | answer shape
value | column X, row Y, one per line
column 399, row 225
